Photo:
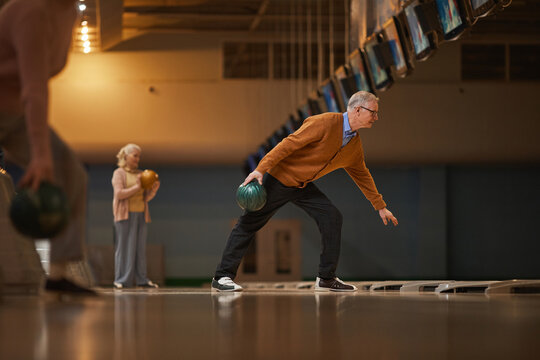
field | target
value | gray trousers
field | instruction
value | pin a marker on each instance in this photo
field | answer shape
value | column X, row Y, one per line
column 130, row 250
column 70, row 175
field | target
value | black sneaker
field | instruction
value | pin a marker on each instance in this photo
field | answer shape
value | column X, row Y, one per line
column 332, row 285
column 64, row 286
column 225, row 284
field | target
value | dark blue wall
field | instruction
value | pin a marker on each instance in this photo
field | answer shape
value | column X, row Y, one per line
column 494, row 227
column 455, row 222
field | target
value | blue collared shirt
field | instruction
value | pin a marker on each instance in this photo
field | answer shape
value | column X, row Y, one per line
column 347, row 133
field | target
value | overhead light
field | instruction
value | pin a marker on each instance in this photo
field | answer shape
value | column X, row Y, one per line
column 82, row 7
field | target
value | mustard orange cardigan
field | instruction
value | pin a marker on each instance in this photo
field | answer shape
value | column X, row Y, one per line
column 315, row 150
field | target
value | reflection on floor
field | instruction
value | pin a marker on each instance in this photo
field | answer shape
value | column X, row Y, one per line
column 270, row 324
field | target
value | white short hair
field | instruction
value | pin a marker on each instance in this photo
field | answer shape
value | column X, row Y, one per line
column 127, row 149
column 361, row 98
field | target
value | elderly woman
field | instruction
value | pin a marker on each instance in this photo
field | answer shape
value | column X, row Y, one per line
column 130, row 209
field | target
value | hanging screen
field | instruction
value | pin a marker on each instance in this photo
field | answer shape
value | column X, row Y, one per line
column 482, row 7
column 359, row 71
column 381, row 77
column 330, row 96
column 419, row 39
column 452, row 20
column 343, row 81
column 398, row 53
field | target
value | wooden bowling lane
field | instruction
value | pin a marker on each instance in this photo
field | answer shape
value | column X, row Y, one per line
column 270, row 324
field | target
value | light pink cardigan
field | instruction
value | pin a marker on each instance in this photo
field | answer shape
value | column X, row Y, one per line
column 122, row 195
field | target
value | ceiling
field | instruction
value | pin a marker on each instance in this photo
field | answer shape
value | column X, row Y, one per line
column 257, row 16
column 260, row 16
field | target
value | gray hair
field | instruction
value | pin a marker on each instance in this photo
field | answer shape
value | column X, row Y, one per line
column 361, row 98
column 127, row 149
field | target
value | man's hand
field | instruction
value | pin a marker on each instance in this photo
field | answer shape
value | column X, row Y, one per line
column 254, row 175
column 386, row 215
column 38, row 170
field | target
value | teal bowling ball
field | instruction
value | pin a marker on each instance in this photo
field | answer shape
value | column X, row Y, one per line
column 40, row 214
column 251, row 197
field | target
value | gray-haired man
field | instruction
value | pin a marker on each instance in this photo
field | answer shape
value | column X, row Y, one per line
column 324, row 143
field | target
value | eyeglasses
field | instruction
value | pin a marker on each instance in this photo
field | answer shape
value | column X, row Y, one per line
column 373, row 112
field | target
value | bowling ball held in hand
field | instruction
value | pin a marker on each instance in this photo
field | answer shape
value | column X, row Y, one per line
column 251, row 197
column 148, row 178
column 40, row 214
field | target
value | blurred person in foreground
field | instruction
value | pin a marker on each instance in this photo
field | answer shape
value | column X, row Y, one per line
column 35, row 39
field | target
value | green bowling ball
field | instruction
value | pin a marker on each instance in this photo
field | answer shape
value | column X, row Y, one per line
column 251, row 197
column 40, row 214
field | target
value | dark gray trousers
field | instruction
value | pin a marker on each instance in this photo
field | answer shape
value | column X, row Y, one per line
column 130, row 250
column 311, row 200
column 70, row 175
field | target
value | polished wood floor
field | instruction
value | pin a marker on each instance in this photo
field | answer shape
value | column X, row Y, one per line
column 269, row 324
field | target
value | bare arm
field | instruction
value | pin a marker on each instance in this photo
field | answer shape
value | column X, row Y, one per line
column 31, row 48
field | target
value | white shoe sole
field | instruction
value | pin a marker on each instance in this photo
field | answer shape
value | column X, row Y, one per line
column 231, row 290
column 236, row 287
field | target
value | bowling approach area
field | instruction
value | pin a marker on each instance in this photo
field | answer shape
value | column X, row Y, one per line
column 388, row 320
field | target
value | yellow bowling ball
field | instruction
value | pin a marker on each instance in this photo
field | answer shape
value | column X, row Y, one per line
column 148, row 178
